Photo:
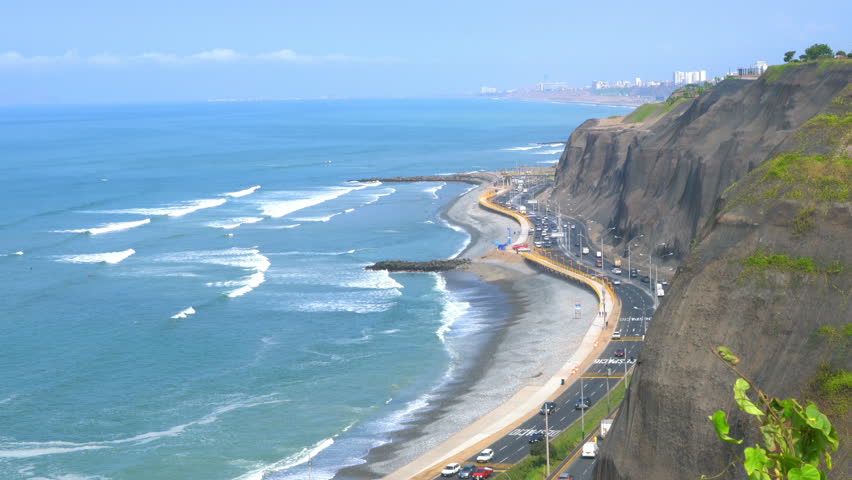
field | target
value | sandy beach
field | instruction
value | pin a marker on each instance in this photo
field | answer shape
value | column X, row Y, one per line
column 526, row 347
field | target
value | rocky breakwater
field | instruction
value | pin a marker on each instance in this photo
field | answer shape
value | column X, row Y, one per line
column 770, row 274
column 476, row 178
column 659, row 171
column 428, row 266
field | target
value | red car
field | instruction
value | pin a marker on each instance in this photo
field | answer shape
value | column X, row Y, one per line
column 484, row 472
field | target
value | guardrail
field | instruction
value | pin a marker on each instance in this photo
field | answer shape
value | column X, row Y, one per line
column 546, row 258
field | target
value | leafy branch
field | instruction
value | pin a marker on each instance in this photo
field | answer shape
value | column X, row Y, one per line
column 797, row 441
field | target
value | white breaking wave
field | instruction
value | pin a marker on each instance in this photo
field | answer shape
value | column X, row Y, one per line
column 183, row 313
column 242, row 193
column 108, row 257
column 378, row 196
column 453, row 309
column 246, row 258
column 550, row 162
column 107, row 227
column 549, row 152
column 175, row 210
column 292, row 461
column 529, row 147
column 349, row 210
column 277, row 206
column 460, row 230
column 234, row 222
column 434, row 190
column 37, row 452
column 318, row 219
column 373, row 279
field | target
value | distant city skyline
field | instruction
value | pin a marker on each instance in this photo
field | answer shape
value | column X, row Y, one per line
column 98, row 51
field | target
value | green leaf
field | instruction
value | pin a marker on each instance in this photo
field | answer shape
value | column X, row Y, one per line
column 817, row 420
column 788, row 462
column 807, row 472
column 828, row 464
column 771, row 436
column 746, row 405
column 756, row 460
column 759, row 476
column 720, row 421
column 727, row 355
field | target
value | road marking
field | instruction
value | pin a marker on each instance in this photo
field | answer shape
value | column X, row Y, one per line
column 613, row 377
column 502, row 448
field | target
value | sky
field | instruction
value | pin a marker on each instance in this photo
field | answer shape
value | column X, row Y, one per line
column 174, row 51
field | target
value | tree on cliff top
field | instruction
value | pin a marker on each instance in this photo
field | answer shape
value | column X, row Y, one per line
column 789, row 56
column 819, row 50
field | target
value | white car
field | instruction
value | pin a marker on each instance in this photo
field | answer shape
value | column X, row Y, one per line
column 485, row 455
column 616, row 334
column 450, row 470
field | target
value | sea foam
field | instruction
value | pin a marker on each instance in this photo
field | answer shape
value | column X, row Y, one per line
column 178, row 209
column 184, row 313
column 108, row 227
column 108, row 257
column 242, row 193
column 280, row 203
column 234, row 222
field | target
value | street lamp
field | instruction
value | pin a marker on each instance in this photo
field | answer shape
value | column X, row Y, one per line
column 603, row 234
column 628, row 254
column 547, row 440
column 608, row 373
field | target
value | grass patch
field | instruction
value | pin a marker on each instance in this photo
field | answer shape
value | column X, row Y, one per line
column 671, row 105
column 804, row 221
column 643, row 112
column 833, row 389
column 762, row 261
column 533, row 467
column 820, row 177
column 774, row 72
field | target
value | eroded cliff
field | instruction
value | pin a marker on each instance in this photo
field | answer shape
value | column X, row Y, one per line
column 763, row 182
column 661, row 177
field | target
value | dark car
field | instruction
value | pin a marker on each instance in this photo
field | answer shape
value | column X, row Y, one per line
column 536, row 437
column 548, row 408
column 577, row 244
column 583, row 403
column 645, row 279
column 467, row 471
column 634, row 273
column 619, row 352
column 564, row 476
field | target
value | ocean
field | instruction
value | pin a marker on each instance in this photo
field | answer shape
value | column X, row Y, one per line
column 183, row 286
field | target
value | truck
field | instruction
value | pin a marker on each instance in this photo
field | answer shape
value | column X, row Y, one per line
column 590, row 450
column 660, row 291
column 523, row 209
column 606, row 424
column 585, row 250
column 618, row 262
column 598, row 254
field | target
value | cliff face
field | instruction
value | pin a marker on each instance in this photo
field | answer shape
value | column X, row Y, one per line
column 661, row 178
column 770, row 273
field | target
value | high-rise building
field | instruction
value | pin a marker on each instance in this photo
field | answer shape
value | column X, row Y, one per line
column 488, row 90
column 681, row 78
column 638, row 82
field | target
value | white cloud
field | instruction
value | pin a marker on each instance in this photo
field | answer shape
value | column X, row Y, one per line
column 216, row 55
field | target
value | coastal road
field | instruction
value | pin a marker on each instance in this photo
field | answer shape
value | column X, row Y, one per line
column 607, row 369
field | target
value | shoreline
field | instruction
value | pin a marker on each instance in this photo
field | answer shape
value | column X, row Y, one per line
column 523, row 352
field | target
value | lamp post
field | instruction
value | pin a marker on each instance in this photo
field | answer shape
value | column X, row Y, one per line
column 547, row 440
column 582, row 410
column 603, row 234
column 608, row 373
column 628, row 254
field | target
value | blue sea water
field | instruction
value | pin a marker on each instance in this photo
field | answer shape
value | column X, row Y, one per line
column 183, row 292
